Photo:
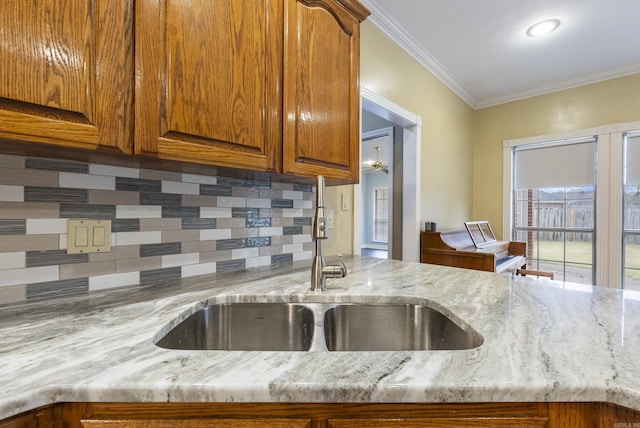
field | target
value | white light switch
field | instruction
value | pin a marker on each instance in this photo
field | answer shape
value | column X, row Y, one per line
column 88, row 236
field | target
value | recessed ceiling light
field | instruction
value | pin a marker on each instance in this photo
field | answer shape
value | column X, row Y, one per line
column 543, row 27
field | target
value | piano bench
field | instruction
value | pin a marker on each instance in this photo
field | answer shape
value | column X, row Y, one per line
column 525, row 272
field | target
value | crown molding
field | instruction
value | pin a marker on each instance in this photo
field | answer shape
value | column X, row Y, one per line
column 390, row 28
column 561, row 85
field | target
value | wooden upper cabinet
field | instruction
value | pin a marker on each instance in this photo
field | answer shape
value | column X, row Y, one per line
column 209, row 81
column 66, row 73
column 266, row 85
column 321, row 93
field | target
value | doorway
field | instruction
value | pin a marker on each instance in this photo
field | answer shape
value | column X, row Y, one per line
column 402, row 129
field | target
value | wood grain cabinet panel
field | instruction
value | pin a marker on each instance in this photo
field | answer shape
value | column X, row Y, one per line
column 270, row 85
column 322, row 104
column 66, row 76
column 209, row 81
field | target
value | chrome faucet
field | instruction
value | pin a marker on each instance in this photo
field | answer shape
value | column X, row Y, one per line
column 320, row 271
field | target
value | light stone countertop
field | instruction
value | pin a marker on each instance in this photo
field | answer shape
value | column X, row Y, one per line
column 542, row 342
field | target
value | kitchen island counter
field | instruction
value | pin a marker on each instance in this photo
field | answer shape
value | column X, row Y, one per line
column 544, row 341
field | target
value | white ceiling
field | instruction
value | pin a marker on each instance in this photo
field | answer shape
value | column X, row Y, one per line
column 479, row 48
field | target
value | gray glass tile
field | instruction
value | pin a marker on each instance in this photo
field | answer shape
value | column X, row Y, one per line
column 281, row 203
column 180, row 212
column 215, row 190
column 125, row 225
column 303, row 187
column 258, row 222
column 230, row 265
column 277, row 259
column 54, row 194
column 56, row 165
column 156, row 275
column 198, row 223
column 13, row 227
column 245, row 212
column 69, row 210
column 64, row 288
column 230, row 244
column 148, row 198
column 292, row 230
column 244, row 183
column 138, row 184
column 148, row 250
column 302, row 221
column 54, row 257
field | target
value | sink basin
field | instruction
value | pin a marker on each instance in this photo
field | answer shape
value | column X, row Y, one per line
column 244, row 327
column 393, row 327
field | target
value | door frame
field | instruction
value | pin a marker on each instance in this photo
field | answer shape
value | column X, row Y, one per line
column 411, row 156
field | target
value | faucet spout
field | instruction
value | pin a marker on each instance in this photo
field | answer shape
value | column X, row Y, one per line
column 320, row 271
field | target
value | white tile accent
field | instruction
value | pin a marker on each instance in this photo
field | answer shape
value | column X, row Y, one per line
column 292, row 248
column 46, row 226
column 302, row 255
column 258, row 203
column 258, row 261
column 201, row 269
column 180, row 188
column 137, row 238
column 231, row 201
column 173, row 260
column 62, row 241
column 215, row 212
column 269, row 231
column 292, row 194
column 86, row 181
column 244, row 253
column 30, row 275
column 103, row 282
column 11, row 193
column 292, row 212
column 138, row 211
column 114, row 171
column 301, row 239
column 302, row 204
column 12, row 260
column 202, row 179
column 214, row 234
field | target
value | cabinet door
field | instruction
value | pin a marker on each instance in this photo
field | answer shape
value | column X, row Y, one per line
column 478, row 422
column 208, row 81
column 198, row 423
column 322, row 104
column 66, row 76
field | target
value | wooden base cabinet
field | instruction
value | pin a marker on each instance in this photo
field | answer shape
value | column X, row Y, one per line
column 290, row 415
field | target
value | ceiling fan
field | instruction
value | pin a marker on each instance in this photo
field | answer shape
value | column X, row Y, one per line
column 377, row 164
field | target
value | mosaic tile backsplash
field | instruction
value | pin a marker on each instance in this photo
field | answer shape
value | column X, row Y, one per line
column 165, row 225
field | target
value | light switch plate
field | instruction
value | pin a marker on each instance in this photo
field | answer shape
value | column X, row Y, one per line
column 330, row 219
column 88, row 236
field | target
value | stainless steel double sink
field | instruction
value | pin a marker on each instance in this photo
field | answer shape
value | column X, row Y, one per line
column 319, row 327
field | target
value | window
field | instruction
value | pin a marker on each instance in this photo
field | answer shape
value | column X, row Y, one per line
column 631, row 212
column 554, row 207
column 381, row 214
column 580, row 222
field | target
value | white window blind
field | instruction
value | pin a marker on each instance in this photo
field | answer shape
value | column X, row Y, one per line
column 555, row 165
column 632, row 159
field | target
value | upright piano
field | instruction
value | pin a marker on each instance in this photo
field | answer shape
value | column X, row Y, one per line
column 456, row 248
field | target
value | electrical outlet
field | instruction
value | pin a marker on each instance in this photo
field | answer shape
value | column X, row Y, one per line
column 329, row 219
column 88, row 236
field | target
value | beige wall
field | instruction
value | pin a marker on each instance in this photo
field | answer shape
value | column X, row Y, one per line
column 447, row 125
column 609, row 102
